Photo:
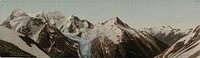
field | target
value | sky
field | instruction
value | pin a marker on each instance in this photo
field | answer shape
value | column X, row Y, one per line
column 182, row 14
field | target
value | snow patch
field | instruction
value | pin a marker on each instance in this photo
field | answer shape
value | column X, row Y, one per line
column 185, row 39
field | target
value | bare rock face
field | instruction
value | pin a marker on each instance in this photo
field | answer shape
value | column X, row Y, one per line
column 56, row 44
column 129, row 47
column 6, row 24
column 11, row 50
column 33, row 26
column 103, row 49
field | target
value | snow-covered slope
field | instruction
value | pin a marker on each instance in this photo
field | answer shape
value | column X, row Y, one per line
column 166, row 34
column 13, row 37
column 187, row 47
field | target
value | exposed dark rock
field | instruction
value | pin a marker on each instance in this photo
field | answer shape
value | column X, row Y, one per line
column 10, row 50
column 55, row 43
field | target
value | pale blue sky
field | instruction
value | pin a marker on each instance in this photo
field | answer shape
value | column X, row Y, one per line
column 136, row 13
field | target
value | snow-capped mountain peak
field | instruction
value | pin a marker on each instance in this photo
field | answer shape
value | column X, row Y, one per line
column 167, row 34
column 115, row 32
column 73, row 18
column 186, row 47
column 197, row 29
column 118, row 21
column 56, row 15
column 17, row 12
column 115, row 21
column 17, row 19
column 74, row 24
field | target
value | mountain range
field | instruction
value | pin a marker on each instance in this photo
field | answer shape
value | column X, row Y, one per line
column 51, row 34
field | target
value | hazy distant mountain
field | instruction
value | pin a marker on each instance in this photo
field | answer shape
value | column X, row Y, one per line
column 167, row 34
column 186, row 47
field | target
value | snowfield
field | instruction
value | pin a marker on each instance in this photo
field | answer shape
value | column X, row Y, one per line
column 13, row 37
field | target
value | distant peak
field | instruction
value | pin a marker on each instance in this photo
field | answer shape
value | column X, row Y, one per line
column 40, row 12
column 18, row 12
column 197, row 29
column 170, row 27
column 116, row 18
column 55, row 11
column 165, row 27
column 73, row 17
column 56, row 14
column 116, row 21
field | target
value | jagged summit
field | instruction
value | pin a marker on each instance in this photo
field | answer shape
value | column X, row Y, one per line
column 56, row 14
column 39, row 14
column 115, row 21
column 167, row 34
column 166, row 27
column 186, row 47
column 17, row 18
column 118, row 21
column 197, row 29
column 73, row 17
column 74, row 24
column 18, row 12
